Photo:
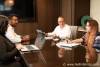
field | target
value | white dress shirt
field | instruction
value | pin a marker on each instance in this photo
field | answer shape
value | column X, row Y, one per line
column 63, row 33
column 12, row 36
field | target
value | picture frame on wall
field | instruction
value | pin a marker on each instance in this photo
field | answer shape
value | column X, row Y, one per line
column 25, row 9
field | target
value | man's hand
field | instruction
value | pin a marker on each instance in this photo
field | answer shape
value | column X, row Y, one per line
column 19, row 46
column 25, row 38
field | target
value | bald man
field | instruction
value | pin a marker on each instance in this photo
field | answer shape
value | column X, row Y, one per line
column 63, row 30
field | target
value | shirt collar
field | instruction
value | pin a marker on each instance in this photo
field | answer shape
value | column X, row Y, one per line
column 10, row 26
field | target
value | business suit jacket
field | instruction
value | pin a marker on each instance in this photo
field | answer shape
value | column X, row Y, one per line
column 8, row 52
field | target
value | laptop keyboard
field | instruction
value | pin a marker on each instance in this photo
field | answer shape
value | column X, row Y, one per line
column 29, row 47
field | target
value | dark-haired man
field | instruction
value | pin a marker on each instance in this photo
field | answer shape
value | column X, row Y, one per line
column 11, row 35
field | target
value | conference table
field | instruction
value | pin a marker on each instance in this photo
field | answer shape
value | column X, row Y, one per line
column 48, row 57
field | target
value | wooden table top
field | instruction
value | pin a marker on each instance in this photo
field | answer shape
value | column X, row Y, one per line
column 48, row 57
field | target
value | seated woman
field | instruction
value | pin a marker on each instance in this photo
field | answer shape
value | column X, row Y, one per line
column 89, row 39
column 8, row 51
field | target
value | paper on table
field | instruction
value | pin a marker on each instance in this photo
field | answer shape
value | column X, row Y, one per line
column 48, row 38
column 66, row 45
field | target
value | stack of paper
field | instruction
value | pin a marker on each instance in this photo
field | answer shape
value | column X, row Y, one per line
column 66, row 45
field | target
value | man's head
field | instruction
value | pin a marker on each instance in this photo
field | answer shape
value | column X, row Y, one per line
column 61, row 21
column 13, row 20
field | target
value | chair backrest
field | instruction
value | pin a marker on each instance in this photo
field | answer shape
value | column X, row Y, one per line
column 3, row 17
column 74, row 30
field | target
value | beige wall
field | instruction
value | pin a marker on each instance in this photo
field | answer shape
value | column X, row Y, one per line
column 95, row 10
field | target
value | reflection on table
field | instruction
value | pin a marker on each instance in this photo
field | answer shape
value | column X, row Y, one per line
column 48, row 57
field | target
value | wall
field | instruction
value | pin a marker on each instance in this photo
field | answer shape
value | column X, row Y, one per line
column 82, row 8
column 73, row 10
column 26, row 28
column 49, row 10
column 47, row 13
column 66, row 11
column 95, row 10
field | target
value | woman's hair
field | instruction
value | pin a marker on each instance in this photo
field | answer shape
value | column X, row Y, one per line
column 90, row 37
column 94, row 29
column 3, row 25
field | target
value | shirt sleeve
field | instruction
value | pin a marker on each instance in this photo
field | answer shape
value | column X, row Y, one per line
column 12, row 36
column 97, row 42
column 53, row 33
column 84, row 39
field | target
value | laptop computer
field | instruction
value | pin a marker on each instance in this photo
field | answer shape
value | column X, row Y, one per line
column 38, row 44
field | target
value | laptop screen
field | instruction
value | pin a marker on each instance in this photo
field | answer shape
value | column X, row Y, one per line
column 40, row 39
